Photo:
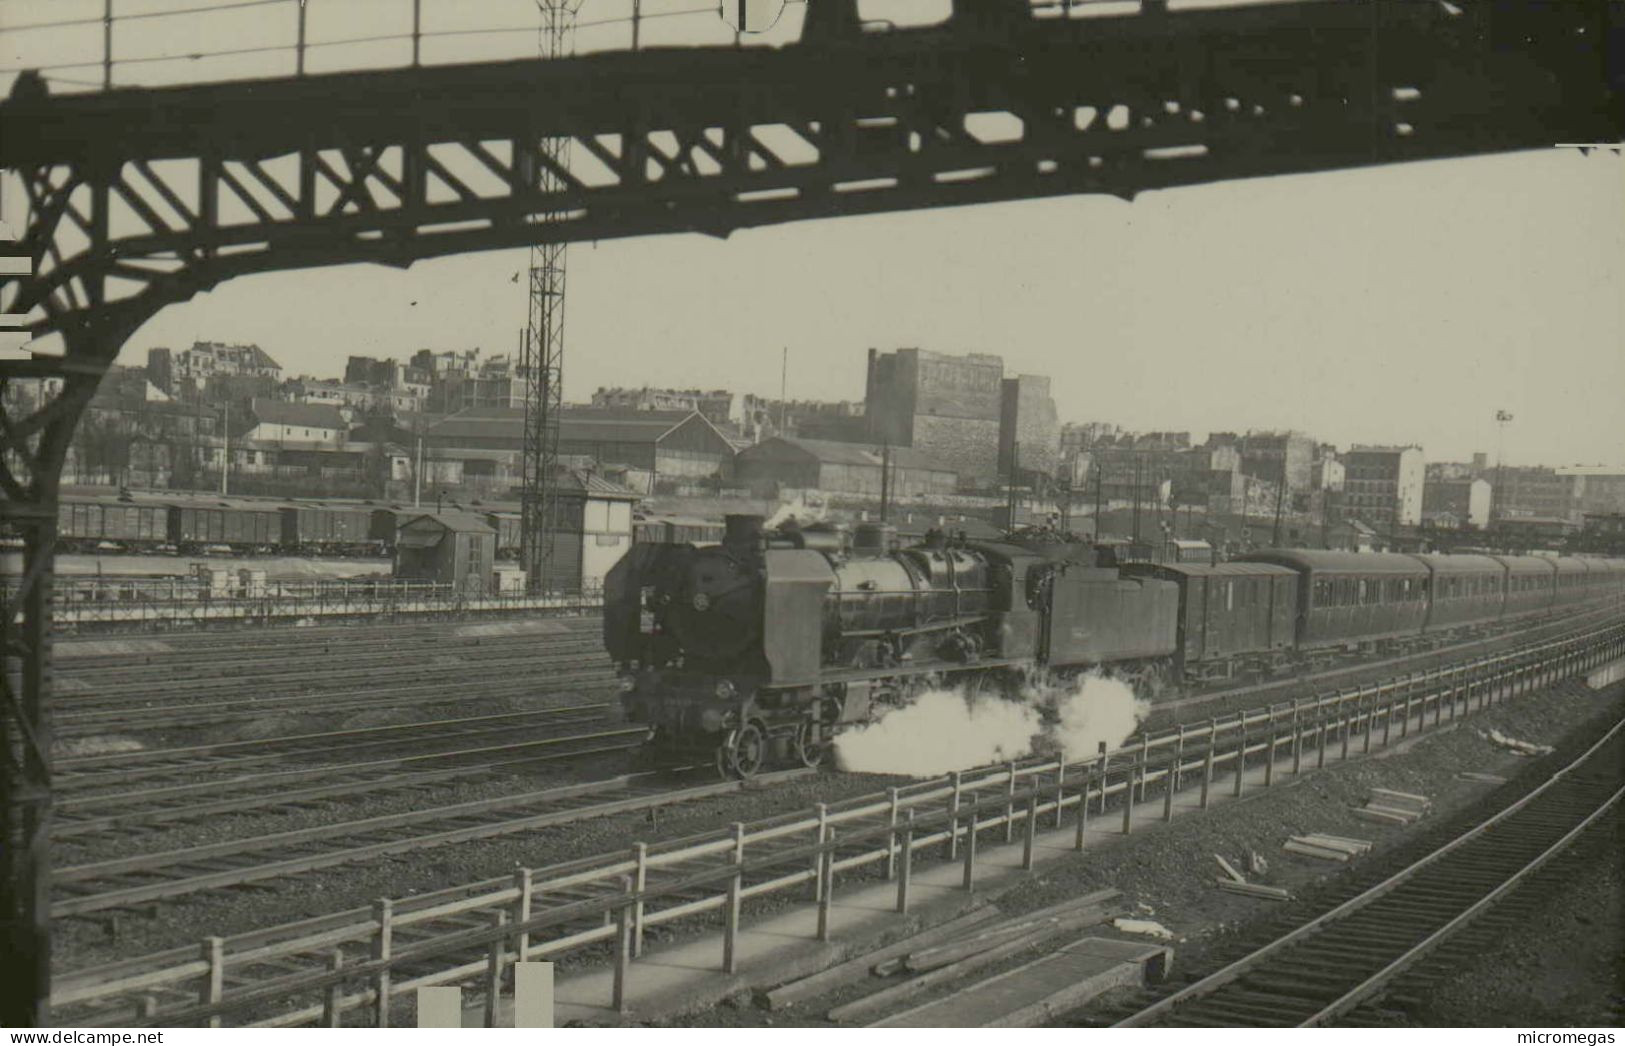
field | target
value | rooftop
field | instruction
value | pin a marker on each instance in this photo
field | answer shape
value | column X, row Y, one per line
column 309, row 415
column 834, row 452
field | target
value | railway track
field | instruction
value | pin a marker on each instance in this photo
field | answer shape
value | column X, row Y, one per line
column 540, row 677
column 315, row 669
column 1340, row 960
column 290, row 974
column 146, row 878
column 112, row 795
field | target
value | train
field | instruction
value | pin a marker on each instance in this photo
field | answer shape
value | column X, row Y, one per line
column 758, row 650
column 191, row 523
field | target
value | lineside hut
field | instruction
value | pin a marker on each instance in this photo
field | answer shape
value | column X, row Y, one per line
column 450, row 548
column 594, row 530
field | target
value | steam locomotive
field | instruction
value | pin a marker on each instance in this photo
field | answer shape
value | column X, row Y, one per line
column 760, row 649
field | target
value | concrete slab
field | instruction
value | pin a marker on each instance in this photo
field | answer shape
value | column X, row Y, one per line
column 1039, row 990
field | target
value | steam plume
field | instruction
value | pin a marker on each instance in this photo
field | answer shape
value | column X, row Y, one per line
column 946, row 730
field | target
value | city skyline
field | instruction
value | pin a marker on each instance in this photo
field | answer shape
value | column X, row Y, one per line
column 1506, row 325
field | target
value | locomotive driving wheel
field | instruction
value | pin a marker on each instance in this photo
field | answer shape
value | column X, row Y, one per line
column 742, row 752
column 811, row 746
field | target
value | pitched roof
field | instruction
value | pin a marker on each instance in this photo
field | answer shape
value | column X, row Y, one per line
column 835, row 452
column 471, row 522
column 623, row 426
column 578, row 425
column 309, row 415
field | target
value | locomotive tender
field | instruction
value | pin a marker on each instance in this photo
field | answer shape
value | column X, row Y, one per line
column 763, row 647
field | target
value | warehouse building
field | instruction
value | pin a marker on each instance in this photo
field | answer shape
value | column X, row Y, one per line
column 948, row 407
column 783, row 462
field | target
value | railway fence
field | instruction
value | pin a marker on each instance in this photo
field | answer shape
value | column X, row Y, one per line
column 90, row 603
column 359, row 962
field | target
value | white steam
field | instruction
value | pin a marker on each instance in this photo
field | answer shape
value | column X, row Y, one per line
column 801, row 508
column 946, row 730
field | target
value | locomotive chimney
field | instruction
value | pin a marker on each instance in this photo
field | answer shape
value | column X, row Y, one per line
column 742, row 533
column 873, row 539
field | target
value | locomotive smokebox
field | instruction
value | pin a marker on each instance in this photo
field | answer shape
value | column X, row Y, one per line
column 874, row 539
column 743, row 532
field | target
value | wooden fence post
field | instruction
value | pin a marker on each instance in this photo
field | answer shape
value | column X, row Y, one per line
column 1083, row 808
column 1297, row 739
column 954, row 780
column 383, row 913
column 1269, row 754
column 730, row 932
column 1060, row 785
column 905, row 863
column 970, row 845
column 891, row 839
column 331, row 1012
column 1030, row 829
column 1207, row 760
column 1105, row 758
column 823, row 836
column 640, row 880
column 623, row 949
column 1010, row 802
column 496, row 958
column 214, row 982
column 521, row 912
column 1135, row 768
column 1346, row 719
column 1169, row 777
column 826, row 889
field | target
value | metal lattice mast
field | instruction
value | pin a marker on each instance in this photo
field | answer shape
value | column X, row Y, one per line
column 542, row 358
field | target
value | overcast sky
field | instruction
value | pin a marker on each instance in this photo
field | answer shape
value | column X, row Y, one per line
column 1403, row 304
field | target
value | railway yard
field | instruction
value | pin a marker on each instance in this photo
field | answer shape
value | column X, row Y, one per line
column 280, row 794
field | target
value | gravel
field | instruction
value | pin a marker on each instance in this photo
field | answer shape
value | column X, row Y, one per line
column 1167, row 873
column 88, row 941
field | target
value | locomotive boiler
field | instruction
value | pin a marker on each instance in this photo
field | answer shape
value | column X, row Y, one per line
column 760, row 649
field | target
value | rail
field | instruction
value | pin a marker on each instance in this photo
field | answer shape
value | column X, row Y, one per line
column 319, row 969
column 1484, row 868
column 163, row 603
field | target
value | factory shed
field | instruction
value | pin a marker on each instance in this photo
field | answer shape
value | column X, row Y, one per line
column 449, row 548
column 651, row 444
column 845, row 468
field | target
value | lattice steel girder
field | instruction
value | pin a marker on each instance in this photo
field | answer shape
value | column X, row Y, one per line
column 40, row 403
column 168, row 191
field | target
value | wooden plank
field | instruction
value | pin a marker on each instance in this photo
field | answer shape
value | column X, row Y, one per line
column 1234, row 875
column 1391, row 794
column 1468, row 775
column 1367, row 814
column 953, row 951
column 1335, row 842
column 1319, row 852
column 870, row 1005
column 1397, row 811
column 1273, row 893
column 857, row 968
column 1039, row 990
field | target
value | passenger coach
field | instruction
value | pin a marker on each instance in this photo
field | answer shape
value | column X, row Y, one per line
column 1353, row 597
column 1230, row 614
